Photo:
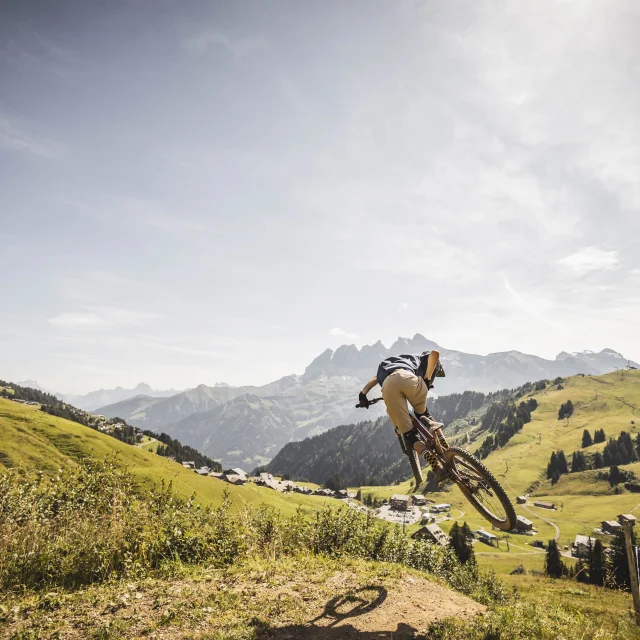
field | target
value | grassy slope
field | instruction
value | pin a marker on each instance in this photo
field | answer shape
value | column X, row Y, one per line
column 610, row 402
column 31, row 439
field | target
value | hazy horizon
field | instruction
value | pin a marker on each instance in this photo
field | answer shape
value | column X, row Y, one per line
column 207, row 191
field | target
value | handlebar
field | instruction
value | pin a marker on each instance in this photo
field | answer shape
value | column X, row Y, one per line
column 364, row 406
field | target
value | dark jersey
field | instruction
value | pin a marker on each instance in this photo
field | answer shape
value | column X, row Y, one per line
column 416, row 364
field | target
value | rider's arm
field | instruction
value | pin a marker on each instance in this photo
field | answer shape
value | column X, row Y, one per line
column 367, row 387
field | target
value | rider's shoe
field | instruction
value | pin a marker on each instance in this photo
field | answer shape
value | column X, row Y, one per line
column 429, row 422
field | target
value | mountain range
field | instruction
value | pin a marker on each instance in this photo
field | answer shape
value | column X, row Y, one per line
column 102, row 397
column 246, row 426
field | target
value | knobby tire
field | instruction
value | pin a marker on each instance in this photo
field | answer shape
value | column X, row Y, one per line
column 505, row 523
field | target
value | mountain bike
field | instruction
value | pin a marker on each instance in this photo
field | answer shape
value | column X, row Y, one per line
column 476, row 482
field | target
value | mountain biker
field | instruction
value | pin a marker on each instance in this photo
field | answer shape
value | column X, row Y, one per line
column 408, row 378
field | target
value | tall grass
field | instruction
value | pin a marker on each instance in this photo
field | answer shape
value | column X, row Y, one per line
column 89, row 525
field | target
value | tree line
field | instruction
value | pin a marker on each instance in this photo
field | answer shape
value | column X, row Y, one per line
column 28, row 394
column 170, row 447
column 504, row 419
column 596, row 568
column 618, row 451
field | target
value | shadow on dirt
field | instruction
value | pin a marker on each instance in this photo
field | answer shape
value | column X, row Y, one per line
column 337, row 611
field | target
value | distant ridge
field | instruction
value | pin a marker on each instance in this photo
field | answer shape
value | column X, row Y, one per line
column 102, row 397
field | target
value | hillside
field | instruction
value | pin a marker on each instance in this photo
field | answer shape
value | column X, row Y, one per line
column 583, row 500
column 31, row 440
column 368, row 453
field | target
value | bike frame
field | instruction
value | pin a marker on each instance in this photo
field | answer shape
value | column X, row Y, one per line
column 432, row 440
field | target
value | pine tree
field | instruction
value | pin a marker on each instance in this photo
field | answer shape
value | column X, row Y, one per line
column 587, row 440
column 461, row 542
column 552, row 467
column 359, row 495
column 618, row 560
column 597, row 566
column 598, row 463
column 553, row 565
column 615, row 475
column 578, row 462
column 581, row 571
column 563, row 467
column 599, row 436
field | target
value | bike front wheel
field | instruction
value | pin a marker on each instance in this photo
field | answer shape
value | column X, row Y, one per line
column 481, row 488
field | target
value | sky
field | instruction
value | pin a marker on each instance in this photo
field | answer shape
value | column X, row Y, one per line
column 193, row 192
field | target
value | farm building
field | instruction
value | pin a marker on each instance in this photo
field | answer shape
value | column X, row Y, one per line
column 202, row 471
column 216, row 474
column 522, row 524
column 629, row 517
column 611, row 527
column 188, row 464
column 400, row 502
column 432, row 533
column 487, row 537
column 234, row 478
column 581, row 546
column 521, row 500
column 237, row 472
column 544, row 505
column 418, row 500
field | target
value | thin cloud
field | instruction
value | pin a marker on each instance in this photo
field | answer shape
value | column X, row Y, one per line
column 591, row 259
column 13, row 138
column 341, row 333
column 403, row 307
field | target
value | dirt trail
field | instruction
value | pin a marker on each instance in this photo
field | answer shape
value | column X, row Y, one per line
column 292, row 599
column 408, row 607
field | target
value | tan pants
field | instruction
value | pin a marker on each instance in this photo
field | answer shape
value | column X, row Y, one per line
column 399, row 388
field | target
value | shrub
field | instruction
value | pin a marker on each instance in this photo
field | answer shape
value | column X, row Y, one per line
column 88, row 525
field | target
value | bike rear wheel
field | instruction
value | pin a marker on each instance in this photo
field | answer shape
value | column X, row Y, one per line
column 482, row 489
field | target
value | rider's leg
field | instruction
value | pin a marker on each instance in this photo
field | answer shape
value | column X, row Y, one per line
column 400, row 387
column 396, row 390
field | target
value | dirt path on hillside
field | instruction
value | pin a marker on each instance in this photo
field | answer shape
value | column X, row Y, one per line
column 289, row 599
column 409, row 607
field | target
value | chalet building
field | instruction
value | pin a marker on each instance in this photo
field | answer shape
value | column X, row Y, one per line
column 188, row 464
column 432, row 533
column 629, row 517
column 521, row 500
column 418, row 500
column 202, row 471
column 237, row 472
column 487, row 537
column 611, row 527
column 400, row 502
column 581, row 546
column 522, row 524
column 544, row 505
column 234, row 478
